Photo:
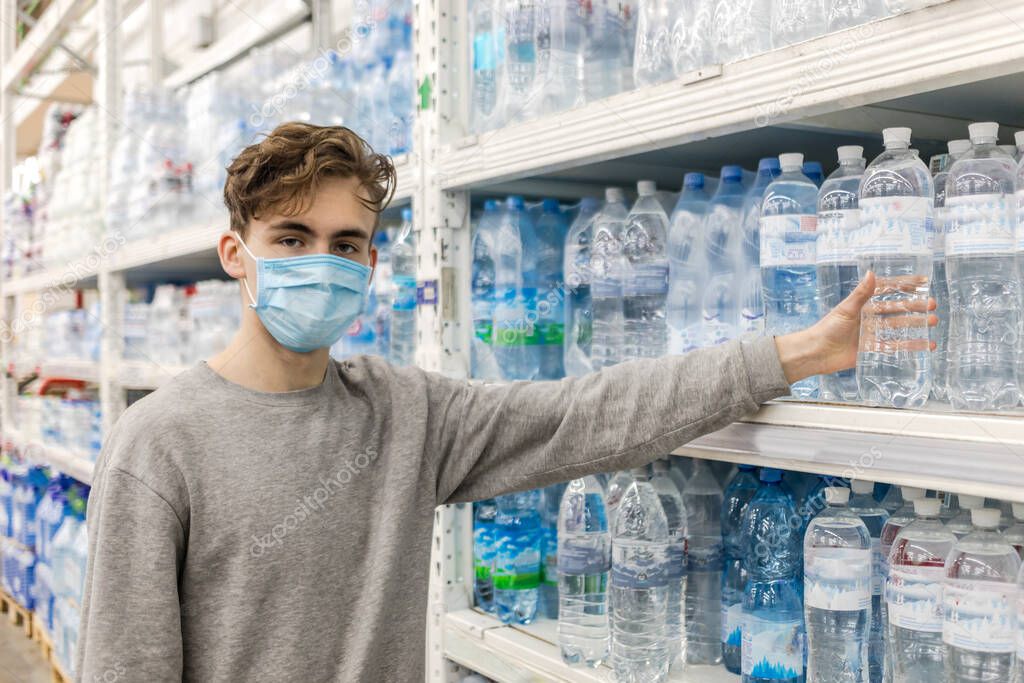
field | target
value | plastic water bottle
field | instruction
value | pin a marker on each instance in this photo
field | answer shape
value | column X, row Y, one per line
column 899, row 518
column 640, row 548
column 773, row 625
column 550, row 308
column 913, row 595
column 560, row 56
column 984, row 285
column 738, row 493
column 488, row 64
column 584, row 560
column 607, row 266
column 484, row 549
column 551, row 500
column 403, row 301
column 702, row 498
column 794, row 21
column 892, row 501
column 724, row 244
column 652, row 59
column 962, row 523
column 950, row 506
column 604, row 50
column 1015, row 534
column 675, row 514
column 401, row 89
column 645, row 281
column 814, row 171
column 940, row 287
column 517, row 561
column 515, row 293
column 843, row 14
column 690, row 35
column 751, row 301
column 838, row 221
column 979, row 599
column 617, row 487
column 862, row 503
column 687, row 269
column 896, row 205
column 788, row 276
column 738, row 29
column 578, row 311
column 837, row 592
column 520, row 59
column 485, row 259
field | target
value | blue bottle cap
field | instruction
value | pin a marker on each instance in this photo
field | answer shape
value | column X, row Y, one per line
column 770, row 474
column 590, row 204
column 732, row 173
column 515, row 202
column 769, row 164
column 551, row 206
column 406, row 214
column 491, row 205
column 746, row 468
column 812, row 168
column 693, row 181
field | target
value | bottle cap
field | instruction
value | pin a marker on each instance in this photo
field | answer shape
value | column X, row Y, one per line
column 746, row 468
column 848, row 152
column 957, row 147
column 646, row 188
column 693, row 181
column 911, row 492
column 987, row 130
column 732, row 173
column 970, row 502
column 1018, row 511
column 614, row 194
column 770, row 474
column 812, row 168
column 515, row 202
column 862, row 486
column 985, row 518
column 769, row 164
column 551, row 206
column 407, row 214
column 1018, row 137
column 791, row 160
column 896, row 136
column 639, row 473
column 926, row 507
column 491, row 205
column 660, row 465
column 837, row 495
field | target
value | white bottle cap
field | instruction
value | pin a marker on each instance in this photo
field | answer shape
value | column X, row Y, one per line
column 911, row 493
column 1018, row 511
column 1018, row 137
column 926, row 507
column 614, row 194
column 985, row 518
column 837, row 495
column 957, row 147
column 896, row 135
column 645, row 188
column 660, row 465
column 862, row 486
column 987, row 130
column 847, row 152
column 791, row 160
column 970, row 502
column 639, row 473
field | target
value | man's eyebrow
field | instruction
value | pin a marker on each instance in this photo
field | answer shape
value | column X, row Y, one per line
column 298, row 226
column 293, row 225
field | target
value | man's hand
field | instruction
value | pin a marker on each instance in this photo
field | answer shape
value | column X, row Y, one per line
column 831, row 344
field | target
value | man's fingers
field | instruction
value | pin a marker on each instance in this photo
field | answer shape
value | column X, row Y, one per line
column 903, row 306
column 851, row 306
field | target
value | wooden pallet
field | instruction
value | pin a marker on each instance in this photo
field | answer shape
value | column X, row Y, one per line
column 42, row 638
column 16, row 614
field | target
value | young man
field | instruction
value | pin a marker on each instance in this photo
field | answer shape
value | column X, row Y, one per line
column 267, row 515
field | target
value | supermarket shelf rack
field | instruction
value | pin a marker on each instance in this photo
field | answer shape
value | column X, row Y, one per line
column 63, row 459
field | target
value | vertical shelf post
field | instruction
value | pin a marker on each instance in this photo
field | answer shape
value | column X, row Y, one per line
column 8, row 145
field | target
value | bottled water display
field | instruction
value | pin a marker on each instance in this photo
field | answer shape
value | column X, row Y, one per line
column 520, row 68
column 607, row 268
column 702, row 498
column 814, row 171
column 862, row 503
column 548, row 308
column 788, row 225
column 403, row 297
column 551, row 499
column 560, row 56
column 640, row 557
column 738, row 29
column 979, row 624
column 896, row 203
column 518, row 557
column 773, row 627
column 913, row 595
column 723, row 248
column 687, row 267
column 751, row 301
column 578, row 305
column 794, row 21
column 1015, row 534
column 675, row 514
column 843, row 14
column 837, row 592
column 984, row 285
column 515, row 296
column 617, row 487
column 645, row 276
column 838, row 222
column 740, row 489
column 962, row 523
column 484, row 548
column 483, row 286
column 652, row 61
column 607, row 50
column 584, row 561
column 488, row 65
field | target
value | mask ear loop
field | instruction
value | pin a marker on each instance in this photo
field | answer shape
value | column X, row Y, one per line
column 245, row 281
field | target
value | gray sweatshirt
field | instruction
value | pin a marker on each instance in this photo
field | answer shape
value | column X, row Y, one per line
column 236, row 535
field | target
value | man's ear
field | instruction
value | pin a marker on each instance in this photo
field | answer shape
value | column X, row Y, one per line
column 230, row 252
column 373, row 261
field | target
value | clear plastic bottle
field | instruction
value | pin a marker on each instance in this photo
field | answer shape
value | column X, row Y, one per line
column 837, row 592
column 640, row 547
column 723, row 247
column 862, row 503
column 1015, row 534
column 961, row 524
column 979, row 598
column 604, row 50
column 675, row 513
column 751, row 301
column 794, row 21
column 645, row 281
column 617, row 486
column 896, row 206
column 484, row 364
column 488, row 67
column 892, row 501
column 738, row 493
column 484, row 513
column 687, row 269
column 515, row 293
column 403, row 298
column 1018, row 139
column 518, row 557
column 788, row 275
column 551, row 500
column 652, row 58
column 578, row 312
column 984, row 285
column 773, row 625
column 950, row 506
column 690, row 38
column 520, row 59
column 584, row 560
column 737, row 29
column 838, row 221
column 607, row 266
column 702, row 498
column 897, row 520
column 401, row 89
column 843, row 14
column 561, row 33
column 913, row 595
column 550, row 309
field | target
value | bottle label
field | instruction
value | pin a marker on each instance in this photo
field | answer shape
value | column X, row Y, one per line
column 484, row 52
column 584, row 557
column 647, row 279
column 483, row 553
column 788, row 240
column 1020, row 220
column 639, row 565
column 705, row 558
column 838, row 579
column 517, row 565
column 482, row 329
column 894, row 225
column 404, row 293
column 979, row 224
column 549, row 567
column 877, row 567
column 732, row 624
column 913, row 598
column 941, row 228
column 772, row 649
column 836, row 233
column 979, row 616
column 676, row 560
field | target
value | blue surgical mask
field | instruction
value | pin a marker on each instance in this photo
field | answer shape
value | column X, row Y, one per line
column 307, row 302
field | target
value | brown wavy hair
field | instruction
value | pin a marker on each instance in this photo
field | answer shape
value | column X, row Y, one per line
column 282, row 171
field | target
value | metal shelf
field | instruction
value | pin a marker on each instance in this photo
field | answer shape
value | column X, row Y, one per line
column 85, row 370
column 65, row 460
column 37, row 44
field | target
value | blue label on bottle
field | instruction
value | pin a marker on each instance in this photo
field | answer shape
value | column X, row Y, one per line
column 639, row 565
column 588, row 557
column 677, row 560
column 772, row 650
column 404, row 293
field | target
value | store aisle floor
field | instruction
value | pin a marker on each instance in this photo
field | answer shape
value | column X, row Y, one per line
column 20, row 659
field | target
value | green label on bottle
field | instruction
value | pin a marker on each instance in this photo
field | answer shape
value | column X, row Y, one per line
column 483, row 572
column 516, row 582
column 483, row 330
column 512, row 335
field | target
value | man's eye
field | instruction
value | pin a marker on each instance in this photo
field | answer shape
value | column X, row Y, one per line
column 290, row 242
column 345, row 249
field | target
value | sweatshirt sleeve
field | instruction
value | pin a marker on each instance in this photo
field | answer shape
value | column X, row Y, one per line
column 496, row 439
column 131, row 623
